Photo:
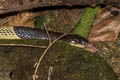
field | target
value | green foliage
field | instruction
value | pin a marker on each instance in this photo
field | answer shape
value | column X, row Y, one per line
column 39, row 21
column 85, row 22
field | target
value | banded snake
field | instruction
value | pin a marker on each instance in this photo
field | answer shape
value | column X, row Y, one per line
column 19, row 32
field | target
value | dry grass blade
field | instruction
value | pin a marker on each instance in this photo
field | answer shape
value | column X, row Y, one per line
column 22, row 45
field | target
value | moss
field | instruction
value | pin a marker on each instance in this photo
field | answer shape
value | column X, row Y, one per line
column 79, row 64
column 68, row 62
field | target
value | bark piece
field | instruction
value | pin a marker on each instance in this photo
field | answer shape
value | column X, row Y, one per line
column 19, row 5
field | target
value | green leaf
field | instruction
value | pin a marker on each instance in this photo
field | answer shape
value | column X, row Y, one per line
column 85, row 22
column 39, row 21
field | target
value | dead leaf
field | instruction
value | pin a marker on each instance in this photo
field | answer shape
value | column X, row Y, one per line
column 106, row 27
column 22, row 19
column 70, row 16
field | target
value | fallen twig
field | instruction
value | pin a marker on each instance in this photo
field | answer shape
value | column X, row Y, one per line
column 49, row 39
column 40, row 59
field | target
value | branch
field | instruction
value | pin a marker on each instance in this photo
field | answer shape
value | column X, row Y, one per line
column 19, row 5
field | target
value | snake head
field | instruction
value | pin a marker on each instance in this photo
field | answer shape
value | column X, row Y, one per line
column 75, row 40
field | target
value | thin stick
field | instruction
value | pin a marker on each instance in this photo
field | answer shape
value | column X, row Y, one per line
column 50, row 72
column 49, row 39
column 36, row 69
column 23, row 45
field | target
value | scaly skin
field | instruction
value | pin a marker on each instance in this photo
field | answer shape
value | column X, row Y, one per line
column 19, row 32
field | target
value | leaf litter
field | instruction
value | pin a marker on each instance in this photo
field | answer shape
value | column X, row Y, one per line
column 106, row 27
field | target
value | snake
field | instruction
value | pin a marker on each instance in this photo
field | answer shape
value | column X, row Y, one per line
column 20, row 32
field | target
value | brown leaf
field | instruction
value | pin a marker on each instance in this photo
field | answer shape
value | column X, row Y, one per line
column 106, row 27
column 22, row 19
column 70, row 16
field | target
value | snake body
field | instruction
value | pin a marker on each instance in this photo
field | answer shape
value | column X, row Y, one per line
column 19, row 32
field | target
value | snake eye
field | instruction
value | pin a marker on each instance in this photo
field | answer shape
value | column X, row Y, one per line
column 74, row 41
